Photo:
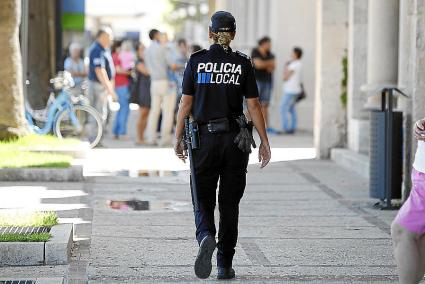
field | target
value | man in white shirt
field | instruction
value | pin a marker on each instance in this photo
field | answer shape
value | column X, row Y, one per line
column 292, row 88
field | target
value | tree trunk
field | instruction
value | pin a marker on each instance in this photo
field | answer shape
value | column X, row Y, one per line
column 41, row 50
column 12, row 118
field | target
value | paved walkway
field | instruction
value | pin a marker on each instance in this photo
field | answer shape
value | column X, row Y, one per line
column 301, row 221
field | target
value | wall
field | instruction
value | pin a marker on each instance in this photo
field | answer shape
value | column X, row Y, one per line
column 332, row 42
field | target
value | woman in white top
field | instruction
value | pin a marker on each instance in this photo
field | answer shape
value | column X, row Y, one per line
column 291, row 89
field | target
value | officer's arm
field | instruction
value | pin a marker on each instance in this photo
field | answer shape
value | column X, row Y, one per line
column 254, row 109
column 185, row 108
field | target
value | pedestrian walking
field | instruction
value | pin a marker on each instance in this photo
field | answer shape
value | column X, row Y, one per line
column 215, row 83
column 264, row 64
column 122, row 83
column 292, row 89
column 181, row 60
column 408, row 228
column 74, row 64
column 142, row 93
column 101, row 72
column 159, row 61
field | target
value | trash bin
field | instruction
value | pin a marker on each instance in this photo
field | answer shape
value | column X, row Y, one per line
column 377, row 153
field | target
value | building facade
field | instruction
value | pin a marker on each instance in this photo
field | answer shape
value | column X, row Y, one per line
column 383, row 42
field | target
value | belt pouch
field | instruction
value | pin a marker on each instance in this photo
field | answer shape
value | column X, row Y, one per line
column 218, row 125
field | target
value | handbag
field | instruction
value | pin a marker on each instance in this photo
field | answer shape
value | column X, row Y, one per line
column 134, row 90
column 301, row 96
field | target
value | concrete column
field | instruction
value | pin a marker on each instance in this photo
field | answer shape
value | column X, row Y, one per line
column 406, row 80
column 418, row 93
column 418, row 97
column 332, row 40
column 263, row 15
column 251, row 25
column 358, row 123
column 382, row 55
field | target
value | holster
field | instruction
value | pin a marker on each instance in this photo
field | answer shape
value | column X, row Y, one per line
column 194, row 135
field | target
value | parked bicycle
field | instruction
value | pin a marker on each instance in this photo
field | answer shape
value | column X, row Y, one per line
column 66, row 114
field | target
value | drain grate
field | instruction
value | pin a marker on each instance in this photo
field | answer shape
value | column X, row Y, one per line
column 17, row 281
column 23, row 231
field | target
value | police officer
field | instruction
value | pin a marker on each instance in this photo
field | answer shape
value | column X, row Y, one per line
column 214, row 85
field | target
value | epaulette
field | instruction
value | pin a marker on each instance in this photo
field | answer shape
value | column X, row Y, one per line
column 202, row 51
column 243, row 55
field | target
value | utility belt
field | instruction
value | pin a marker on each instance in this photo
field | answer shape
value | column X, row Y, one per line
column 224, row 125
column 217, row 126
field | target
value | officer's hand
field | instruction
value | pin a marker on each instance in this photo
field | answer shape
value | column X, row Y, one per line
column 180, row 151
column 264, row 154
column 419, row 130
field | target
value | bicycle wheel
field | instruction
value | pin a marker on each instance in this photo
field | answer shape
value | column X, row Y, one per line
column 80, row 122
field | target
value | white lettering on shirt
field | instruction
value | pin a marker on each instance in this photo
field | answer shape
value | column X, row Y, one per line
column 218, row 73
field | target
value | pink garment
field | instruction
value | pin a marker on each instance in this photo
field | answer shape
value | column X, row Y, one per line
column 412, row 214
column 127, row 59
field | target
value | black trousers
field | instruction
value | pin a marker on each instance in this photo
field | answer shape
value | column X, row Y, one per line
column 220, row 160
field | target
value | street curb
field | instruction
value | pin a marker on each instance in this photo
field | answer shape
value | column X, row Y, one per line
column 77, row 152
column 21, row 253
column 55, row 251
column 358, row 163
column 73, row 173
column 55, row 280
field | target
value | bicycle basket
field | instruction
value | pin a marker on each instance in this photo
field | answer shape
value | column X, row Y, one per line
column 63, row 80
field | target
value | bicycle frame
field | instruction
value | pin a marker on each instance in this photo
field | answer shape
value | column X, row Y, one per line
column 61, row 103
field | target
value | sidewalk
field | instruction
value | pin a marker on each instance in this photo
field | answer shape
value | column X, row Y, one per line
column 301, row 221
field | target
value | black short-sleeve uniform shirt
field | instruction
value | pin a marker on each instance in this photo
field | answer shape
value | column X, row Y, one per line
column 218, row 81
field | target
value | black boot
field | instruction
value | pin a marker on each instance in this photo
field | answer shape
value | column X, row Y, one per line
column 225, row 273
column 203, row 264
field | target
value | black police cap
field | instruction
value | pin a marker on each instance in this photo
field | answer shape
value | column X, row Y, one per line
column 223, row 21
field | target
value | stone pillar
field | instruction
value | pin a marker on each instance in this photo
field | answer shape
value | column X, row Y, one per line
column 358, row 123
column 406, row 80
column 418, row 98
column 332, row 40
column 382, row 52
column 417, row 61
